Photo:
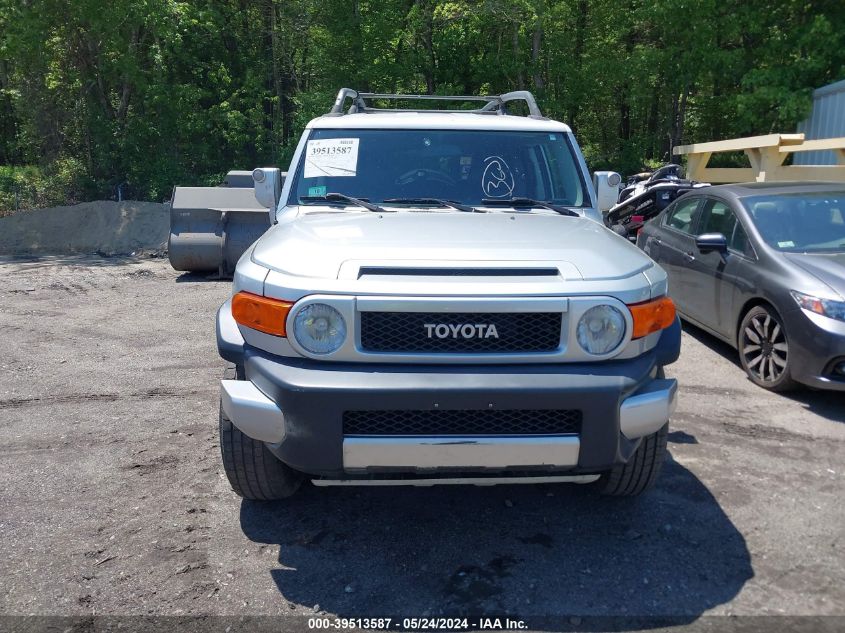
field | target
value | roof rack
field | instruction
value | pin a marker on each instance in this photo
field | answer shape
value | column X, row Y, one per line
column 493, row 104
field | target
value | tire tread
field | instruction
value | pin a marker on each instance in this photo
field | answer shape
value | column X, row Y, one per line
column 641, row 471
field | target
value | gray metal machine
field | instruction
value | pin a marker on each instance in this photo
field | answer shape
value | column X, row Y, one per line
column 211, row 227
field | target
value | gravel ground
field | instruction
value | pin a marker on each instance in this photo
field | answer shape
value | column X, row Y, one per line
column 113, row 499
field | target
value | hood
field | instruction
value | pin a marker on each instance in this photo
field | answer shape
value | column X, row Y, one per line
column 827, row 267
column 318, row 244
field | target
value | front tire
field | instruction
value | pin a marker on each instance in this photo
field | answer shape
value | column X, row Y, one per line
column 641, row 471
column 764, row 349
column 252, row 470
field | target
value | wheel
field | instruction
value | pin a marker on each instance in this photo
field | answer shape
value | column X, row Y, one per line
column 641, row 471
column 252, row 470
column 764, row 349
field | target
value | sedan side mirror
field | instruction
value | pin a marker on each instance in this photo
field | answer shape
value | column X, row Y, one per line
column 710, row 242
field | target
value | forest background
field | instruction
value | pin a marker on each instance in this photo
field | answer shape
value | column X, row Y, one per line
column 129, row 97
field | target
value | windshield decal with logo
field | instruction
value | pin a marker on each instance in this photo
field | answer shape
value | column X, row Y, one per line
column 497, row 180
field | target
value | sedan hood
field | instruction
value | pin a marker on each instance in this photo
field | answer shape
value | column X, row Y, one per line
column 827, row 267
column 318, row 244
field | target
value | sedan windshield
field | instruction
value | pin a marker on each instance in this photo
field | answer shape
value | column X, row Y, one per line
column 464, row 166
column 800, row 223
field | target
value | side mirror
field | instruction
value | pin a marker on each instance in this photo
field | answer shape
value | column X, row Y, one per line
column 268, row 188
column 710, row 242
column 607, row 189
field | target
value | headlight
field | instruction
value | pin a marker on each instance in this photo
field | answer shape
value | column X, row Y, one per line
column 825, row 307
column 601, row 329
column 319, row 328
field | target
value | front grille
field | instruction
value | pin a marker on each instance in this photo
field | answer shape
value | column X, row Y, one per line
column 418, row 332
column 463, row 422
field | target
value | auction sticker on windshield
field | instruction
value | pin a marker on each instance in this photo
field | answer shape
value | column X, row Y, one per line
column 331, row 157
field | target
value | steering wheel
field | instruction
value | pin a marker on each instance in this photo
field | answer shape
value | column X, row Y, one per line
column 413, row 175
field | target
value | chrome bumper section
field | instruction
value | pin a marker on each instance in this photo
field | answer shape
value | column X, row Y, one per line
column 431, row 452
column 251, row 411
column 648, row 410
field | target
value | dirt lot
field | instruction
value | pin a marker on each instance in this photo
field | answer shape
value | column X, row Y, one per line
column 113, row 499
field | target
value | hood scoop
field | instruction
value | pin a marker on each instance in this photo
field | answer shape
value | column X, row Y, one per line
column 397, row 271
column 448, row 272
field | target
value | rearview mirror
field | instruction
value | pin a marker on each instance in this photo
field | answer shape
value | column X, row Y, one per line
column 710, row 242
column 607, row 189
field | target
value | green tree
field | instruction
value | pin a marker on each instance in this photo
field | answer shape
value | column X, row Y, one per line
column 146, row 94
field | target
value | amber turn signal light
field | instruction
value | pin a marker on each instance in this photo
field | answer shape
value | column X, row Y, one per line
column 261, row 313
column 652, row 316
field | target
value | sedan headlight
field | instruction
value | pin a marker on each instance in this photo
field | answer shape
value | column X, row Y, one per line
column 319, row 328
column 825, row 307
column 601, row 329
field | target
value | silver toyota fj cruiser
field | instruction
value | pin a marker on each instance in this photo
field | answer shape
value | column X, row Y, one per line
column 437, row 301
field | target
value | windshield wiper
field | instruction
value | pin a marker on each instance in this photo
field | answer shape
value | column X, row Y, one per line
column 529, row 202
column 341, row 197
column 443, row 203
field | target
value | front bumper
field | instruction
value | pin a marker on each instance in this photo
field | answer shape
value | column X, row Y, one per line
column 296, row 406
column 816, row 347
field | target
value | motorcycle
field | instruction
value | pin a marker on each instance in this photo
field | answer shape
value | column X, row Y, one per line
column 644, row 196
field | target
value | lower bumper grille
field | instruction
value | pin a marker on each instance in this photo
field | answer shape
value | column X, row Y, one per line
column 463, row 422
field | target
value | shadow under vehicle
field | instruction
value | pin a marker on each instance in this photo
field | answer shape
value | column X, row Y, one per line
column 552, row 553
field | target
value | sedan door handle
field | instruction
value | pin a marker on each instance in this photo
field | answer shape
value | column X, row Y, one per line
column 689, row 256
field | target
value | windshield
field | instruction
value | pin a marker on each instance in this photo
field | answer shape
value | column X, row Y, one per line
column 457, row 165
column 800, row 223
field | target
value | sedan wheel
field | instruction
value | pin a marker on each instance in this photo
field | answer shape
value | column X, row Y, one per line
column 764, row 349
